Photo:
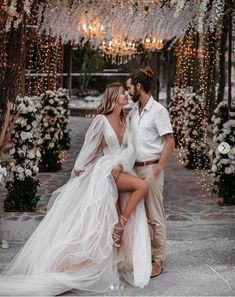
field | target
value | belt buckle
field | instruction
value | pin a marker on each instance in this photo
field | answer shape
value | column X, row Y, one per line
column 145, row 163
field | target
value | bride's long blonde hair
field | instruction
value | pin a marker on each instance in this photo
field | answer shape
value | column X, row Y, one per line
column 109, row 99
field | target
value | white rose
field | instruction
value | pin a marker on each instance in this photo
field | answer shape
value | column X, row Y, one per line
column 25, row 135
column 51, row 145
column 214, row 168
column 232, row 151
column 21, row 176
column 51, row 101
column 19, row 169
column 12, row 151
column 34, row 124
column 21, row 152
column 227, row 131
column 29, row 127
column 38, row 154
column 47, row 136
column 228, row 170
column 211, row 152
column 224, row 161
column 35, row 169
column 232, row 123
column 31, row 155
column 28, row 172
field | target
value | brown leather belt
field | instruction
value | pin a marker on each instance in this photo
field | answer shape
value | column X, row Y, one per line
column 146, row 163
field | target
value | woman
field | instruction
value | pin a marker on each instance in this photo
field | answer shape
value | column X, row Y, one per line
column 80, row 244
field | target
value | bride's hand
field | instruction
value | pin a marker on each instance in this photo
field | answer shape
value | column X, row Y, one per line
column 116, row 171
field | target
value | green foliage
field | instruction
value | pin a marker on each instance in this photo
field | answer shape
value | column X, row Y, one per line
column 22, row 195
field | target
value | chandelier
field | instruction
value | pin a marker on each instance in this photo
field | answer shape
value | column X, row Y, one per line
column 153, row 43
column 118, row 50
column 92, row 30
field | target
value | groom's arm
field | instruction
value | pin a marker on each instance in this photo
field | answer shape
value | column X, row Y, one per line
column 166, row 153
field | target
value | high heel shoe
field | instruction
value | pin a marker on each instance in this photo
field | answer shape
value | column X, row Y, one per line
column 119, row 226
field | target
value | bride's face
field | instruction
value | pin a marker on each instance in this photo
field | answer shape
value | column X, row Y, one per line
column 122, row 99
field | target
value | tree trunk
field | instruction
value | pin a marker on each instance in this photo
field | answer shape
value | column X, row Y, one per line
column 14, row 79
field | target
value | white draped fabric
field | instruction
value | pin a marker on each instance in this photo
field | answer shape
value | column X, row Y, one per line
column 72, row 247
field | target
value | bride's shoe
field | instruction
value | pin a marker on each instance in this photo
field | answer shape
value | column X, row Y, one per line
column 117, row 237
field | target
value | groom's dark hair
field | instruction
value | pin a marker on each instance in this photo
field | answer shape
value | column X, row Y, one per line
column 144, row 77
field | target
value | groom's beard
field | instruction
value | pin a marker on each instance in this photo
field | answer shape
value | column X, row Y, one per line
column 136, row 96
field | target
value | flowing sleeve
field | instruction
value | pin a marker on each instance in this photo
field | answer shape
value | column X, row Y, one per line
column 128, row 156
column 91, row 148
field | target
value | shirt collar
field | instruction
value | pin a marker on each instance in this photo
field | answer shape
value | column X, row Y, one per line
column 148, row 106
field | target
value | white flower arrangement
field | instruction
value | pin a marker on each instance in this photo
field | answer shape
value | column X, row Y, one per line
column 52, row 132
column 22, row 183
column 194, row 127
column 63, row 108
column 176, row 112
column 26, row 136
column 223, row 168
column 3, row 174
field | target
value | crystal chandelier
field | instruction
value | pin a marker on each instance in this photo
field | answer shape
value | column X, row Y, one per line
column 118, row 50
column 92, row 30
column 153, row 43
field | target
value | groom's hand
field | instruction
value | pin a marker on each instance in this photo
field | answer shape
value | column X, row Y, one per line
column 156, row 170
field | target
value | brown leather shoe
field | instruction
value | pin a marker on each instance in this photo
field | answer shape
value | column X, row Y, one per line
column 156, row 269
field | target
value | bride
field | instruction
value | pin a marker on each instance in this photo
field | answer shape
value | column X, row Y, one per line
column 95, row 231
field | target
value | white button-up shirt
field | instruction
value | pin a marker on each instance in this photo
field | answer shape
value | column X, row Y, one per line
column 148, row 127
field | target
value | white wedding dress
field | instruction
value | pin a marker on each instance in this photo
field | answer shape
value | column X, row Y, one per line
column 72, row 247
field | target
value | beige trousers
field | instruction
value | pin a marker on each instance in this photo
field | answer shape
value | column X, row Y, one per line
column 155, row 211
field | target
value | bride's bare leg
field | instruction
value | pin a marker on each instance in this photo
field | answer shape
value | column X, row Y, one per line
column 139, row 189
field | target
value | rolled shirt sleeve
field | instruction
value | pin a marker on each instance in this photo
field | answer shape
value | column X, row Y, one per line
column 162, row 122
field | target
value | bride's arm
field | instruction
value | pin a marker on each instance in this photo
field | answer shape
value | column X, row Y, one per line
column 91, row 148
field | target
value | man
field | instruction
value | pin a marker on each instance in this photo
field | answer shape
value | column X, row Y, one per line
column 154, row 144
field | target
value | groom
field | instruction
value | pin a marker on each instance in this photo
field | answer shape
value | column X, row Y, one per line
column 154, row 145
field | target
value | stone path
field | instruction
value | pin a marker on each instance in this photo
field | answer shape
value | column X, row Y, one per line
column 201, row 235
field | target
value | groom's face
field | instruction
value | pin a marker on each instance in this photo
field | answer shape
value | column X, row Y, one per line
column 132, row 90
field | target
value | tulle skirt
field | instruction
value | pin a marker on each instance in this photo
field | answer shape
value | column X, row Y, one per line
column 72, row 247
